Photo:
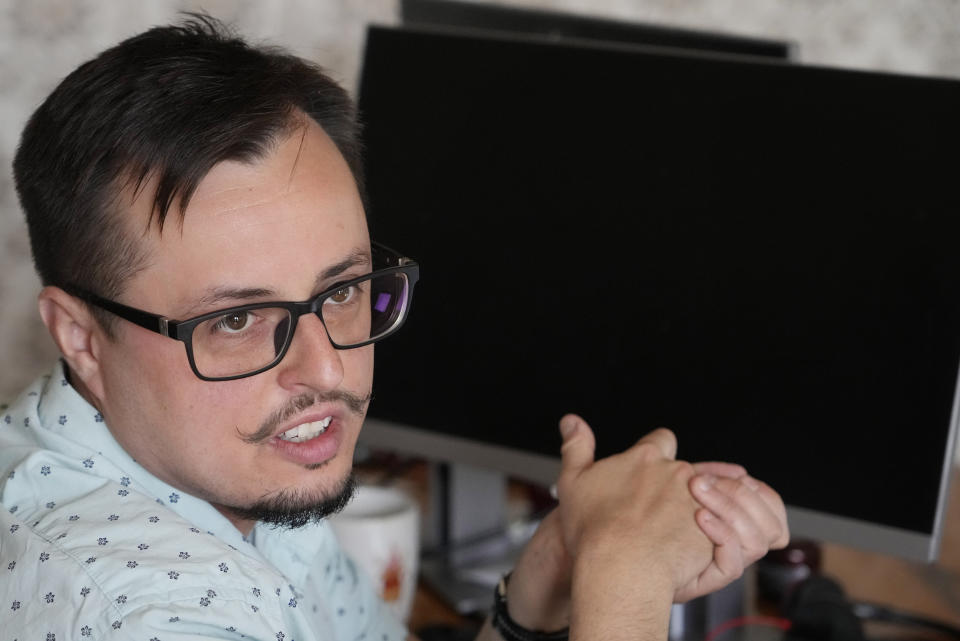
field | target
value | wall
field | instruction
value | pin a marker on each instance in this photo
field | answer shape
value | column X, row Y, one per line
column 43, row 40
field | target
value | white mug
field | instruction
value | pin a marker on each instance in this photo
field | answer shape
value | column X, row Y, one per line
column 380, row 530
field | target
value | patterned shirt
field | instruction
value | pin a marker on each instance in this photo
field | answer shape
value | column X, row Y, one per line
column 93, row 546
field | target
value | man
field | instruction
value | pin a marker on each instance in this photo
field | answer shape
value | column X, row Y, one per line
column 169, row 478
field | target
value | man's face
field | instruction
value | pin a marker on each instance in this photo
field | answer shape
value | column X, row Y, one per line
column 282, row 228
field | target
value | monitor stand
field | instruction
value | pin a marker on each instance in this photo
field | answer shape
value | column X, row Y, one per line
column 475, row 547
column 470, row 535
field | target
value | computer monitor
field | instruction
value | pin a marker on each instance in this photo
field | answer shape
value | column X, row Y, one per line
column 561, row 26
column 761, row 256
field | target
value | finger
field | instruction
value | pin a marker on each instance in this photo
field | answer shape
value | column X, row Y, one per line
column 716, row 468
column 728, row 561
column 768, row 494
column 578, row 448
column 662, row 439
column 781, row 533
column 779, row 510
column 739, row 506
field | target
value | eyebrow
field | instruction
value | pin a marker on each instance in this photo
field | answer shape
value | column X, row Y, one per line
column 237, row 294
column 356, row 257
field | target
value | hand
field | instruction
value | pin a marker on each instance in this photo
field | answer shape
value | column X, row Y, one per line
column 744, row 517
column 627, row 523
column 633, row 507
column 754, row 510
column 539, row 592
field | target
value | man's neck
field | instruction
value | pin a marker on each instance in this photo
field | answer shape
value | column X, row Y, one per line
column 245, row 526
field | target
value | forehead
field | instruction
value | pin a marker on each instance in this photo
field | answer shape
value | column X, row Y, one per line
column 274, row 223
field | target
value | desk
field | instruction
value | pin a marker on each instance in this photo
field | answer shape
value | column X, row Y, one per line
column 429, row 608
column 931, row 590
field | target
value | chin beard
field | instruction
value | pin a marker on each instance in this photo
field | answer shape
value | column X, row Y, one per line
column 296, row 508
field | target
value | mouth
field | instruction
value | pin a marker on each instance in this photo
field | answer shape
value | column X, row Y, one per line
column 306, row 431
column 313, row 441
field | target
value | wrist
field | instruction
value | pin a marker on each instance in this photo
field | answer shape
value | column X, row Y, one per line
column 537, row 605
column 538, row 593
column 511, row 629
column 620, row 559
column 617, row 593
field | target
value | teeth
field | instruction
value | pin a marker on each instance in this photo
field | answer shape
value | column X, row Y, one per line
column 306, row 431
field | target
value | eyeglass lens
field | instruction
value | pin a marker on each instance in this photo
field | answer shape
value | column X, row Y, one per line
column 246, row 340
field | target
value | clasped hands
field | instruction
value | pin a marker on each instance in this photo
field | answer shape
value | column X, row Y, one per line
column 636, row 531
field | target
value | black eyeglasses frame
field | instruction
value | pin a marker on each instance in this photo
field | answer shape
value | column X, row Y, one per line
column 182, row 330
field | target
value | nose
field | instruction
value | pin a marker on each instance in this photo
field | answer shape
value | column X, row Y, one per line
column 311, row 361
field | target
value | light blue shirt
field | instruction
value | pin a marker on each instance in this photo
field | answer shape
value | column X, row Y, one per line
column 93, row 546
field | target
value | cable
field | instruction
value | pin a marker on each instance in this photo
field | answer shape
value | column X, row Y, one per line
column 739, row 622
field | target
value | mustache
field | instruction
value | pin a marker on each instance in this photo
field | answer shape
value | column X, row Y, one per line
column 356, row 404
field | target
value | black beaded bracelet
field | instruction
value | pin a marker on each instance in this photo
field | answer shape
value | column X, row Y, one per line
column 509, row 629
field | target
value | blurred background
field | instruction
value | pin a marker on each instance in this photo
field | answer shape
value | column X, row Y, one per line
column 43, row 40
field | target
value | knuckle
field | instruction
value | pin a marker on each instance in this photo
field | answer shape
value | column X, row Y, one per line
column 755, row 555
column 683, row 470
column 771, row 496
column 737, row 522
column 722, row 505
column 665, row 432
column 763, row 488
column 743, row 492
column 737, row 490
column 784, row 541
column 647, row 451
column 782, row 536
column 729, row 536
column 754, row 547
column 736, row 572
column 776, row 534
column 668, row 436
column 731, row 568
column 663, row 441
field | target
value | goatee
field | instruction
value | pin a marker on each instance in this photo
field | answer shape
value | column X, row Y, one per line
column 296, row 508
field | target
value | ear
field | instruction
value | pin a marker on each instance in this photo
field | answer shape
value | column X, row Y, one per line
column 78, row 335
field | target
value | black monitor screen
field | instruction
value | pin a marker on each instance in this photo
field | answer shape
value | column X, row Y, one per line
column 761, row 256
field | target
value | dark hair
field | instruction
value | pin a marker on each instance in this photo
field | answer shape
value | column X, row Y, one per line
column 168, row 105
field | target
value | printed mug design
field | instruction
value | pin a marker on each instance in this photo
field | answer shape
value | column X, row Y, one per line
column 392, row 578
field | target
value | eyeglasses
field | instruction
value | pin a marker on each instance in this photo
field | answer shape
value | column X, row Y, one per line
column 248, row 339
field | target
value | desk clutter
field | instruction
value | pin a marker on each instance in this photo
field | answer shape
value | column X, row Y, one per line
column 808, row 592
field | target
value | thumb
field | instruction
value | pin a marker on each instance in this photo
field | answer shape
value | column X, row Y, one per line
column 663, row 440
column 578, row 445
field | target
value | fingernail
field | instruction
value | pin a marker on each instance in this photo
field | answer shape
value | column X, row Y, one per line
column 753, row 484
column 568, row 425
column 706, row 482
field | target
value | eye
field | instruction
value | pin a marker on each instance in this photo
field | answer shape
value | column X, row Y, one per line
column 342, row 295
column 234, row 322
